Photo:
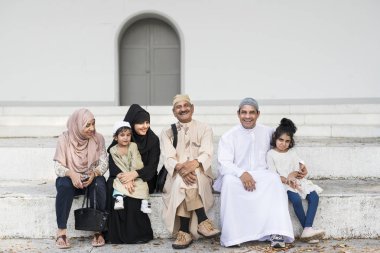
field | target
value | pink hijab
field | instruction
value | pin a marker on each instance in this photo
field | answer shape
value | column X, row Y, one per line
column 74, row 150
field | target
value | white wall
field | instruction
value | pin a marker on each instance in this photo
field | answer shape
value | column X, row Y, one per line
column 64, row 51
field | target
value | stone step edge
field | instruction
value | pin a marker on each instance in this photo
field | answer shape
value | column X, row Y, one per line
column 366, row 186
column 365, row 223
column 301, row 141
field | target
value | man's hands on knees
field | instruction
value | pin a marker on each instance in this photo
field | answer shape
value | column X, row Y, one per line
column 187, row 171
column 190, row 178
column 248, row 182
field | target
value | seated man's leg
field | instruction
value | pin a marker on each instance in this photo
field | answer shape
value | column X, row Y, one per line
column 184, row 238
column 194, row 203
column 256, row 215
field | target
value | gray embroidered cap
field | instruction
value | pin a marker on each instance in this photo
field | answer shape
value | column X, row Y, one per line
column 249, row 101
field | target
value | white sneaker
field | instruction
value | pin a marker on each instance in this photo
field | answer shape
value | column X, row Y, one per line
column 309, row 234
column 145, row 206
column 119, row 204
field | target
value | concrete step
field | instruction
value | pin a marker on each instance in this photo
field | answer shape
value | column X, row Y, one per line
column 336, row 131
column 347, row 209
column 32, row 158
column 344, row 131
column 312, row 120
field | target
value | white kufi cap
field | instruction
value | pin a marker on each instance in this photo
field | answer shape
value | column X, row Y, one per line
column 120, row 124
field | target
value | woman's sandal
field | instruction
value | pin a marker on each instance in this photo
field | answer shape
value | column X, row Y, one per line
column 95, row 242
column 64, row 239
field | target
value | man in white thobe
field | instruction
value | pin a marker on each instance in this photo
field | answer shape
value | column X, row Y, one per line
column 254, row 204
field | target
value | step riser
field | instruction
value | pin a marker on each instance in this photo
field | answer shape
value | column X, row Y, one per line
column 35, row 217
column 323, row 162
column 341, row 162
column 219, row 130
column 352, row 120
column 158, row 120
column 209, row 110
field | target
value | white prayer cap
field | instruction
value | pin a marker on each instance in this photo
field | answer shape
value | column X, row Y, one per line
column 249, row 101
column 120, row 124
column 180, row 97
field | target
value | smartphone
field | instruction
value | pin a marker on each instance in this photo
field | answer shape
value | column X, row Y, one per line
column 85, row 178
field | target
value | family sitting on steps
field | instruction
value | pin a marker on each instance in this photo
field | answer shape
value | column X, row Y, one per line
column 258, row 171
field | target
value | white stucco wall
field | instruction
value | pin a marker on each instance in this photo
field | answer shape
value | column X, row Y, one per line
column 64, row 51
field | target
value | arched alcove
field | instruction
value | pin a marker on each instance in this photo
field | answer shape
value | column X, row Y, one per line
column 149, row 63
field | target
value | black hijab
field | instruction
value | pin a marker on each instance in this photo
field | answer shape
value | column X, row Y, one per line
column 137, row 115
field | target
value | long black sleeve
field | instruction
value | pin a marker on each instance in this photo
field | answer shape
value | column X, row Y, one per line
column 113, row 169
column 150, row 160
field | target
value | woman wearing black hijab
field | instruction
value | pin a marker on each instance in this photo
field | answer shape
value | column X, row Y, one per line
column 131, row 225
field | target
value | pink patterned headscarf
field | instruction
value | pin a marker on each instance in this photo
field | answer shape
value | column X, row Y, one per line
column 74, row 150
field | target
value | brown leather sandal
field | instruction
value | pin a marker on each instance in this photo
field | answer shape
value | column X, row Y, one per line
column 64, row 239
column 95, row 241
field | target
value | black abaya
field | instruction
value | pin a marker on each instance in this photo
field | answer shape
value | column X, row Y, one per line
column 130, row 225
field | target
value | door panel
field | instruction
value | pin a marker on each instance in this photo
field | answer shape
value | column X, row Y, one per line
column 149, row 64
column 136, row 94
column 131, row 66
column 164, row 35
column 162, row 85
column 165, row 61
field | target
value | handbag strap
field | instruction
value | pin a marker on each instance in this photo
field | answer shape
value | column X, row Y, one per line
column 87, row 197
column 175, row 135
column 96, row 186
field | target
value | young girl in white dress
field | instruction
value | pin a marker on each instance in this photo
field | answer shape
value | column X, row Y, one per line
column 284, row 160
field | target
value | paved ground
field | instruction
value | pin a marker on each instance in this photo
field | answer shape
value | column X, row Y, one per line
column 164, row 245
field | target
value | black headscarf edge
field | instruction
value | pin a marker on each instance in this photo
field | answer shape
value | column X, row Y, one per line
column 145, row 142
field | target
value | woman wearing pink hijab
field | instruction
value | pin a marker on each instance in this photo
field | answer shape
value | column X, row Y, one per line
column 80, row 162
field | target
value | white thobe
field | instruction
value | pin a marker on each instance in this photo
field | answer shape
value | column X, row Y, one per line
column 248, row 216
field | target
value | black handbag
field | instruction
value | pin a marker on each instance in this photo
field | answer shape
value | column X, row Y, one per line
column 161, row 178
column 90, row 219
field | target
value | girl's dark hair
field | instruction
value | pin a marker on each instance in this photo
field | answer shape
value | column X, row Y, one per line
column 122, row 129
column 286, row 127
